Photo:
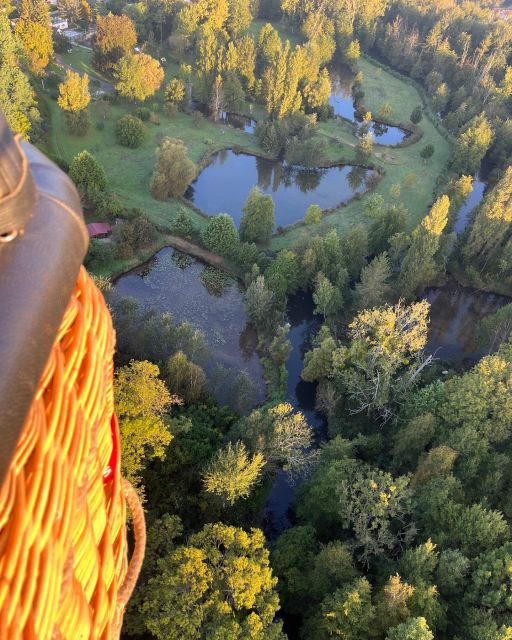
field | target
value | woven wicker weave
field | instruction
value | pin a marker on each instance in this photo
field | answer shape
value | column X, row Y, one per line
column 63, row 552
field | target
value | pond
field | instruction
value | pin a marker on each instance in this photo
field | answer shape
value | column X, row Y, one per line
column 238, row 122
column 472, row 201
column 223, row 186
column 454, row 316
column 173, row 282
column 342, row 101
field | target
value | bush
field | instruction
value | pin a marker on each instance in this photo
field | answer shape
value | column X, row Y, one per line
column 98, row 254
column 183, row 225
column 221, row 236
column 104, row 203
column 313, row 214
column 86, row 172
column 100, row 126
column 417, row 115
column 130, row 131
column 142, row 113
column 78, row 122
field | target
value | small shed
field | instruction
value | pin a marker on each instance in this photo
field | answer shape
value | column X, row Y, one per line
column 99, row 230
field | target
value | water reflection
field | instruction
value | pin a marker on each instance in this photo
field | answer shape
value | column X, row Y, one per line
column 454, row 316
column 173, row 282
column 342, row 101
column 223, row 186
column 473, row 200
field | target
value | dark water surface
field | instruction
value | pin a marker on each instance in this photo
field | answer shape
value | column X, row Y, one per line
column 162, row 284
column 454, row 316
column 303, row 326
column 342, row 101
column 473, row 200
column 223, row 186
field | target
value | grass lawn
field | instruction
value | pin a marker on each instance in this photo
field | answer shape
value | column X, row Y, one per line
column 129, row 171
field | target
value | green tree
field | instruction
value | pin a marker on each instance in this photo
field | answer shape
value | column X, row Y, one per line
column 417, row 115
column 258, row 220
column 495, row 329
column 233, row 473
column 419, row 265
column 391, row 222
column 221, row 236
column 472, row 144
column 355, row 249
column 412, row 629
column 184, row 378
column 234, row 94
column 327, row 298
column 35, row 33
column 262, row 306
column 373, row 289
column 427, row 152
column 313, row 214
column 16, row 96
column 142, row 401
column 219, row 585
column 87, row 173
column 377, row 508
column 348, row 613
column 382, row 362
column 115, row 37
column 173, row 170
column 175, row 93
column 138, row 76
column 130, row 131
column 282, row 436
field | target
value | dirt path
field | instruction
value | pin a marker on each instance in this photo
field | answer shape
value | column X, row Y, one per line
column 198, row 252
column 105, row 86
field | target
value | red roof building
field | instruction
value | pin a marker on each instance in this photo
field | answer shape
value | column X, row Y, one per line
column 99, row 230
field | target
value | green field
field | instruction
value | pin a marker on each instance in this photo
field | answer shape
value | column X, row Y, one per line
column 129, row 171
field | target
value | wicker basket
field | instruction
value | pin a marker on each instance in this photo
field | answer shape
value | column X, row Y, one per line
column 63, row 553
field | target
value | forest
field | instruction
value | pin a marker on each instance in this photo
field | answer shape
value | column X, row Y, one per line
column 309, row 272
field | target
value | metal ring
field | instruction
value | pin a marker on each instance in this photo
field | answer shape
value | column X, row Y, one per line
column 9, row 236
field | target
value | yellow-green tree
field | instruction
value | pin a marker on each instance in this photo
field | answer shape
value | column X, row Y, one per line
column 138, row 76
column 115, row 37
column 74, row 93
column 141, row 401
column 16, row 96
column 35, row 32
column 419, row 265
column 220, row 585
column 233, row 473
column 492, row 224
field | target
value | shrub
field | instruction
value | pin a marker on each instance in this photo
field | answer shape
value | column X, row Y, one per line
column 142, row 113
column 100, row 126
column 86, row 172
column 221, row 236
column 313, row 214
column 130, row 131
column 417, row 115
column 78, row 122
column 183, row 225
